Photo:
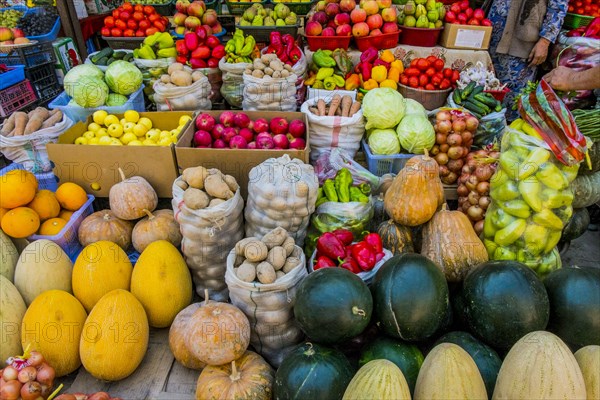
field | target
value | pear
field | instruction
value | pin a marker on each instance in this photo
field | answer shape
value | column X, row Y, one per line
column 291, row 19
column 269, row 22
column 280, row 22
column 441, row 10
column 249, row 14
column 430, row 5
column 439, row 23
column 409, row 7
column 410, row 21
column 245, row 23
column 257, row 21
column 420, row 11
column 432, row 15
column 422, row 22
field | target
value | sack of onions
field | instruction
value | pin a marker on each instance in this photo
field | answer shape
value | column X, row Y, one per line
column 27, row 377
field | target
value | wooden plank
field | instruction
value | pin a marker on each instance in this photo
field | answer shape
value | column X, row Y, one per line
column 182, row 380
column 70, row 25
column 173, row 396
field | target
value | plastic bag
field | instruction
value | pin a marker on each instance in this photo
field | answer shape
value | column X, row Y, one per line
column 232, row 88
column 152, row 70
column 281, row 192
column 30, row 150
column 270, row 309
column 158, row 63
column 216, row 80
column 185, row 98
column 209, row 235
column 332, row 160
column 328, row 132
column 366, row 276
column 490, row 129
column 269, row 94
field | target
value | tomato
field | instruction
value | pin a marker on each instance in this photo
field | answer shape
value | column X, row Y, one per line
column 148, row 10
column 571, row 9
column 431, row 59
column 116, row 32
column 129, row 33
column 127, row 6
column 455, row 75
column 151, row 31
column 139, row 8
column 413, row 63
column 436, row 79
column 413, row 82
column 105, row 32
column 404, row 80
column 438, row 64
column 116, row 14
column 447, row 73
column 120, row 24
column 445, row 84
column 125, row 15
column 131, row 24
column 579, row 11
column 423, row 80
column 423, row 65
column 109, row 22
column 579, row 4
column 429, row 86
column 430, row 72
column 159, row 25
column 143, row 25
column 153, row 17
column 140, row 33
column 412, row 72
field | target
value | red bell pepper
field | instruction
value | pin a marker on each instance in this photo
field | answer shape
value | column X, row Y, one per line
column 345, row 236
column 351, row 265
column 323, row 262
column 369, row 56
column 375, row 241
column 593, row 28
column 379, row 61
column 330, row 246
column 365, row 70
column 378, row 257
column 292, row 50
column 364, row 255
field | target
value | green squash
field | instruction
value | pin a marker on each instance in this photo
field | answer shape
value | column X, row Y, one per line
column 577, row 225
column 395, row 237
column 586, row 190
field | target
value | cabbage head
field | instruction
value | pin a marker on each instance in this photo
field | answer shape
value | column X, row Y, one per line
column 114, row 100
column 384, row 141
column 123, row 77
column 76, row 73
column 414, row 107
column 383, row 108
column 416, row 134
column 90, row 92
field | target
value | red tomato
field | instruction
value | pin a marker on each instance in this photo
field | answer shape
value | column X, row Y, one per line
column 148, row 10
column 469, row 12
column 455, row 75
column 413, row 63
column 473, row 21
column 579, row 11
column 140, row 33
column 423, row 65
column 436, row 79
column 109, row 22
column 571, row 9
column 412, row 71
column 151, row 31
column 423, row 80
column 153, row 17
column 445, row 84
column 116, row 32
column 413, row 82
column 159, row 25
column 429, row 86
column 139, row 8
column 579, row 4
column 587, row 9
column 127, row 6
column 431, row 59
column 447, row 73
column 438, row 64
column 132, row 24
column 129, row 33
column 125, row 15
column 116, row 14
column 105, row 32
column 120, row 24
column 404, row 80
column 144, row 25
column 430, row 72
column 138, row 16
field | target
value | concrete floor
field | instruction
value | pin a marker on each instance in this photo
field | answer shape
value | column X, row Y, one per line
column 584, row 251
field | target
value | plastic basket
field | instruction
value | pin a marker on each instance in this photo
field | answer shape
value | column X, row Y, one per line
column 42, row 77
column 430, row 99
column 300, row 8
column 498, row 94
column 67, row 238
column 28, row 56
column 422, row 37
column 328, row 42
column 164, row 9
column 261, row 33
column 14, row 75
column 237, row 8
column 77, row 114
column 16, row 97
column 50, row 36
column 46, row 180
column 574, row 21
column 384, row 164
column 126, row 43
column 380, row 42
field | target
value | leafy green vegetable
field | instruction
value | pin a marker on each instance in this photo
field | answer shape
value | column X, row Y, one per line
column 115, row 99
column 122, row 77
column 90, row 92
column 383, row 108
column 70, row 82
column 416, row 134
column 384, row 141
column 414, row 107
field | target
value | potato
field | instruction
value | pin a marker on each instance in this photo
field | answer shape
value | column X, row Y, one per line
column 182, row 184
column 277, row 257
column 247, row 272
column 288, row 68
column 247, row 71
column 265, row 273
column 241, row 245
column 181, row 78
column 195, row 199
column 232, row 183
column 174, row 67
column 296, row 252
column 276, row 74
column 289, row 245
column 275, row 238
column 269, row 71
column 285, row 73
column 276, row 65
column 216, row 202
column 197, row 75
column 290, row 264
column 279, row 274
column 258, row 64
column 195, row 176
column 255, row 251
column 239, row 260
column 215, row 186
column 257, row 73
column 165, row 78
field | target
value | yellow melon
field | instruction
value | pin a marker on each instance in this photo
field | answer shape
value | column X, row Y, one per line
column 53, row 325
column 161, row 281
column 115, row 336
column 12, row 309
column 588, row 358
column 100, row 268
column 42, row 266
column 8, row 257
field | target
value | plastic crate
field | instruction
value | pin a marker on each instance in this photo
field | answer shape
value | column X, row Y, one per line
column 384, row 164
column 16, row 97
column 328, row 42
column 67, row 238
column 237, row 8
column 430, row 99
column 43, row 77
column 300, row 8
column 127, row 43
column 46, row 180
column 422, row 37
column 14, row 75
column 50, row 36
column 574, row 21
column 262, row 33
column 380, row 42
column 80, row 114
column 28, row 56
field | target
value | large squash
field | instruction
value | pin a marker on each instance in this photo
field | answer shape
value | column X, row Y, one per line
column 449, row 240
column 8, row 257
column 449, row 372
column 177, row 342
column 115, row 336
column 161, row 281
column 159, row 225
column 53, row 326
column 378, row 379
column 101, row 267
column 104, row 225
column 248, row 377
column 42, row 266
column 129, row 198
column 396, row 238
column 12, row 309
column 577, row 225
column 540, row 366
column 586, row 190
column 588, row 359
column 416, row 192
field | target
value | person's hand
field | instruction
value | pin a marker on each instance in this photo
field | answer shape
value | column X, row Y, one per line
column 539, row 52
column 559, row 78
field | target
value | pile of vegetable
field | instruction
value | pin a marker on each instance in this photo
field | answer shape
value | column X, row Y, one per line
column 134, row 21
column 21, row 123
column 429, row 74
column 375, row 70
column 268, row 259
column 328, row 69
column 27, row 377
column 479, row 74
column 107, row 56
column 240, row 49
column 336, row 249
column 588, row 122
column 199, row 49
column 158, row 45
column 206, row 187
column 269, row 66
column 473, row 98
column 179, row 75
column 341, row 189
column 339, row 106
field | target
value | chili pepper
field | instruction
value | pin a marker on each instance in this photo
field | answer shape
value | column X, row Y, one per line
column 275, row 42
column 351, row 265
column 323, row 262
column 345, row 236
column 375, row 241
column 365, row 70
column 593, row 28
column 322, row 58
column 343, row 182
column 292, row 50
column 342, row 61
column 364, row 255
column 249, row 44
column 330, row 246
column 238, row 41
column 369, row 55
column 357, row 195
column 329, row 190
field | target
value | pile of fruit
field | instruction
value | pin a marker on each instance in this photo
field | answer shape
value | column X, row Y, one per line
column 328, row 70
column 429, row 74
column 146, row 2
column 461, row 13
column 37, row 24
column 9, row 18
column 21, row 123
column 337, row 249
column 341, row 189
column 107, row 56
column 257, row 15
column 27, row 377
column 190, row 16
column 238, row 131
column 584, row 7
column 129, row 21
column 376, row 70
column 10, row 36
column 474, row 99
column 97, row 395
column 240, row 49
column 427, row 14
column 199, row 49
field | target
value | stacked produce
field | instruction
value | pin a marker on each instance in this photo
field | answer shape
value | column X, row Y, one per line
column 240, row 49
column 27, row 377
column 107, row 56
column 97, row 395
column 139, row 21
column 342, row 190
column 427, row 14
column 158, row 45
column 257, row 15
column 180, row 75
column 375, row 70
column 205, row 189
column 285, row 47
column 328, row 69
column 190, row 16
column 587, row 7
column 473, row 98
column 342, row 106
column 429, row 74
column 461, row 13
column 147, row 2
column 199, row 50
column 182, row 88
column 21, row 123
column 9, row 18
column 269, row 65
column 10, row 36
column 338, row 249
column 38, row 24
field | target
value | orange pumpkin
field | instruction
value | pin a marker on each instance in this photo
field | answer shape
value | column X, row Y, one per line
column 159, row 225
column 130, row 197
column 52, row 227
column 104, row 225
column 71, row 196
column 45, row 205
column 20, row 222
column 17, row 188
column 177, row 335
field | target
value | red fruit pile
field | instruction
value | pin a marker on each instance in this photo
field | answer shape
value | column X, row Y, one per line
column 199, row 50
column 238, row 131
column 27, row 378
column 585, row 7
column 460, row 13
column 129, row 21
column 336, row 249
column 429, row 74
column 190, row 16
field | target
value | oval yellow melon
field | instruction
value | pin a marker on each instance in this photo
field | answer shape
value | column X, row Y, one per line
column 42, row 266
column 8, row 257
column 449, row 372
column 378, row 379
column 100, row 268
column 540, row 366
column 52, row 325
column 12, row 309
column 588, row 358
column 161, row 281
column 115, row 336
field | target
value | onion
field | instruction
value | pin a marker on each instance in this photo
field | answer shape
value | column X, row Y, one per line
column 473, row 198
column 444, row 127
column 459, row 125
column 434, row 150
column 463, row 179
column 465, row 207
column 466, row 170
column 99, row 396
column 495, row 154
column 471, row 123
column 441, row 158
column 472, row 182
column 66, row 396
column 444, row 148
column 35, row 358
column 440, row 138
column 27, row 374
column 484, row 202
column 444, row 171
column 32, row 390
column 466, row 136
column 46, row 391
column 483, row 188
column 462, row 191
column 450, row 178
column 11, row 390
column 455, row 165
column 443, row 116
column 483, row 173
column 46, row 374
column 10, row 373
column 479, row 226
column 475, row 213
column 454, row 139
column 455, row 152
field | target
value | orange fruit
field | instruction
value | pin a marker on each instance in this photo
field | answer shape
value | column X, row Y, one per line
column 20, row 222
column 2, row 212
column 52, row 227
column 45, row 204
column 71, row 196
column 17, row 188
column 65, row 214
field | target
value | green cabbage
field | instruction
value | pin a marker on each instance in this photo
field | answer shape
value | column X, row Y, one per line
column 416, row 134
column 384, row 141
column 90, row 92
column 383, row 108
column 414, row 107
column 76, row 73
column 115, row 100
column 123, row 77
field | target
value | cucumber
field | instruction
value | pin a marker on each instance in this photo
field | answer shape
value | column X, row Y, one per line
column 110, row 61
column 128, row 57
column 456, row 96
column 107, row 52
column 119, row 55
column 102, row 61
column 477, row 90
column 498, row 107
column 480, row 104
column 475, row 108
column 486, row 99
column 467, row 90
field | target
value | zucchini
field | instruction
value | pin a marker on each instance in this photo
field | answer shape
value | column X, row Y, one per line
column 107, row 52
column 467, row 90
column 456, row 96
column 119, row 55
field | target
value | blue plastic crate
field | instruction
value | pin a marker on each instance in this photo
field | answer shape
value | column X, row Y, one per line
column 384, row 164
column 50, row 36
column 28, row 56
column 15, row 75
column 45, row 180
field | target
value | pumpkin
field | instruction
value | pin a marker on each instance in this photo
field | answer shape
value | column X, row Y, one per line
column 586, row 190
column 161, row 281
column 12, row 309
column 249, row 377
column 42, row 266
column 101, row 267
column 53, row 326
column 104, row 225
column 594, row 154
column 177, row 335
column 577, row 225
column 449, row 372
column 115, row 336
column 588, row 359
column 226, row 341
column 129, row 198
column 159, row 225
column 540, row 366
column 450, row 241
column 378, row 379
column 8, row 257
column 396, row 238
column 416, row 192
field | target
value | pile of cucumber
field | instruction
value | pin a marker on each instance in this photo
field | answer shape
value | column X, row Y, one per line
column 474, row 99
column 107, row 56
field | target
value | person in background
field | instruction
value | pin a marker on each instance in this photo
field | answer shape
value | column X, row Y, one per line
column 566, row 79
column 522, row 32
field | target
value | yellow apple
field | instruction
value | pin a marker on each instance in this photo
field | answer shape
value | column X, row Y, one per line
column 132, row 116
column 145, row 121
column 88, row 135
column 153, row 134
column 110, row 119
column 115, row 130
column 128, row 137
column 148, row 142
column 140, row 129
column 101, row 132
column 123, row 121
column 93, row 141
column 105, row 140
column 184, row 119
column 115, row 142
column 99, row 116
column 135, row 143
column 165, row 141
column 128, row 127
column 81, row 140
column 93, row 127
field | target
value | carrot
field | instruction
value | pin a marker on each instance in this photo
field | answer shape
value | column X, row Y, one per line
column 354, row 109
column 8, row 125
column 321, row 107
column 346, row 104
column 55, row 118
column 36, row 120
column 20, row 123
column 335, row 103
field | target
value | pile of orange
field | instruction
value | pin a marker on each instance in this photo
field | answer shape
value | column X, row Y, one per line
column 25, row 210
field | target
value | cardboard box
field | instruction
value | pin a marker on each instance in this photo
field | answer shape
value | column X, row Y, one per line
column 86, row 165
column 471, row 37
column 67, row 57
column 237, row 163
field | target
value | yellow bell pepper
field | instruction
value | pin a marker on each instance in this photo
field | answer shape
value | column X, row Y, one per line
column 370, row 84
column 379, row 73
column 387, row 56
column 398, row 65
column 389, row 84
column 394, row 74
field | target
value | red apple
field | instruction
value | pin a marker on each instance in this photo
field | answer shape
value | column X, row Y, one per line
column 374, row 21
column 486, row 22
column 320, row 17
column 361, row 29
column 246, row 134
column 371, row 7
column 389, row 14
column 195, row 9
column 358, row 15
column 321, row 5
column 17, row 33
column 462, row 19
column 241, row 120
column 202, row 138
column 455, row 8
column 264, row 142
column 390, row 27
column 205, row 122
column 281, row 141
column 313, row 28
column 344, row 30
column 375, row 32
column 261, row 125
column 192, row 23
column 219, row 144
column 228, row 134
column 473, row 21
column 213, row 41
column 384, row 4
column 226, row 118
column 278, row 125
column 464, row 4
column 238, row 142
column 479, row 14
column 209, row 17
column 217, row 131
column 469, row 13
column 182, row 6
column 297, row 128
column 347, row 5
column 331, row 24
column 251, row 146
column 332, row 9
column 297, row 143
column 329, row 31
column 217, row 28
column 450, row 17
column 341, row 19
